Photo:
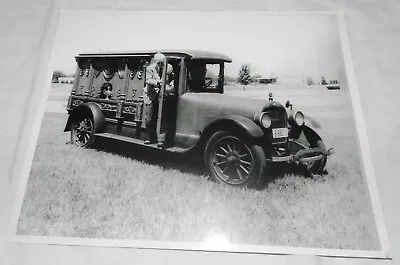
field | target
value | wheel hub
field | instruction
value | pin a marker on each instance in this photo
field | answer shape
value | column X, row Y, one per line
column 233, row 160
column 83, row 132
column 84, row 127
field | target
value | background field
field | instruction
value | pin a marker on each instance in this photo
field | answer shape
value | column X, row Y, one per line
column 121, row 191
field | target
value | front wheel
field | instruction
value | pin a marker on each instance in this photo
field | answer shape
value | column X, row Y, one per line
column 234, row 161
column 82, row 131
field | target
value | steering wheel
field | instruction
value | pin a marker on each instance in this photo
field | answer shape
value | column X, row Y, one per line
column 208, row 82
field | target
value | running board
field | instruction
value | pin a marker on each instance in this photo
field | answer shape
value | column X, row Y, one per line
column 140, row 142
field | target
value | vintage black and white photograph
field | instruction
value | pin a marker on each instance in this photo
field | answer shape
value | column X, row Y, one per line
column 191, row 127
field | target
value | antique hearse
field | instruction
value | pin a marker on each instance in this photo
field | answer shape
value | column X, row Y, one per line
column 238, row 137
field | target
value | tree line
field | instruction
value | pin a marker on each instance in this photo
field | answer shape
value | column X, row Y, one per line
column 57, row 74
column 245, row 77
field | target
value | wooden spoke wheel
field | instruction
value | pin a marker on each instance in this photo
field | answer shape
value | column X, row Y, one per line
column 82, row 131
column 234, row 161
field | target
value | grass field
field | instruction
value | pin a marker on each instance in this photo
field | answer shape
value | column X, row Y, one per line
column 125, row 192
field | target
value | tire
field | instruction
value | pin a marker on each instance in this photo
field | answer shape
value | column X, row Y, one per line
column 82, row 131
column 234, row 161
column 315, row 167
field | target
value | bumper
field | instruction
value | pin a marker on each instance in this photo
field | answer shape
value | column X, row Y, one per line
column 305, row 156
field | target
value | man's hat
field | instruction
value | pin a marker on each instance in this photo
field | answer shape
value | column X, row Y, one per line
column 159, row 57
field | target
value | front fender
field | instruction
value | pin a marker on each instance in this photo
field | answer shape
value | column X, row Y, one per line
column 232, row 122
column 309, row 123
column 248, row 125
column 311, row 135
column 91, row 109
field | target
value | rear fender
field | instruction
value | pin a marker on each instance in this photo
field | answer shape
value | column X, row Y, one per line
column 91, row 109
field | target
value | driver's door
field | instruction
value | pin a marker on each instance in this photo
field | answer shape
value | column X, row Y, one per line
column 166, row 118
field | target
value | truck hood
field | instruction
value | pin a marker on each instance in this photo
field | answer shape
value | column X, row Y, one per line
column 223, row 105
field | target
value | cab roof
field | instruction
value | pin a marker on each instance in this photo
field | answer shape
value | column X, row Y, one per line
column 192, row 54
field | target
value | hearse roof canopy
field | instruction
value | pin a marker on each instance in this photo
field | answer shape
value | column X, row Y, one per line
column 193, row 54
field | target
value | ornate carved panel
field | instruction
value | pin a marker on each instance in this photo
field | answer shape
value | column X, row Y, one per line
column 121, row 73
column 108, row 71
column 77, row 102
column 139, row 112
column 136, row 80
column 96, row 73
column 108, row 106
column 119, row 109
column 108, row 74
column 83, row 81
column 134, row 109
column 69, row 104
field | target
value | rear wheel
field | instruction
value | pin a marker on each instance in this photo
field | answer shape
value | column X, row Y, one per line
column 82, row 131
column 233, row 160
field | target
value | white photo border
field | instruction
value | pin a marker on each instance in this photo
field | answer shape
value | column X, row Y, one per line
column 202, row 246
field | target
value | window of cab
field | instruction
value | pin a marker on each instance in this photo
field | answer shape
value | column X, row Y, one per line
column 205, row 77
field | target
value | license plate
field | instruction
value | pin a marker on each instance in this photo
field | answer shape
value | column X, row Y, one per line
column 279, row 132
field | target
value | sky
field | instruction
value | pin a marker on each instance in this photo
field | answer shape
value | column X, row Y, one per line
column 285, row 45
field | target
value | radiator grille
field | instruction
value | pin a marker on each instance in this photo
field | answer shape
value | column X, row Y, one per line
column 278, row 120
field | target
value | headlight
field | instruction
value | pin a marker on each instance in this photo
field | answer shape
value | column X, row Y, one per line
column 265, row 120
column 299, row 118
